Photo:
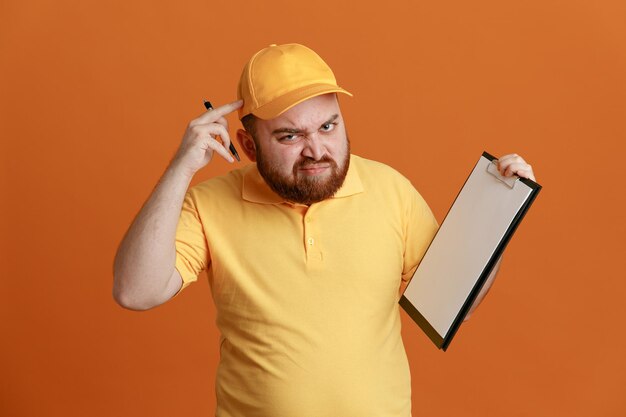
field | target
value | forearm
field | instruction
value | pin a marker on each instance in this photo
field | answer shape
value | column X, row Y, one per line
column 145, row 259
column 485, row 289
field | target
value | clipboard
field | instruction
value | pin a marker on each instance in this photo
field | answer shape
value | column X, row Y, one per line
column 465, row 249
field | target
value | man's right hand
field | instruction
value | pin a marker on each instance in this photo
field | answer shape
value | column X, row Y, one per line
column 200, row 139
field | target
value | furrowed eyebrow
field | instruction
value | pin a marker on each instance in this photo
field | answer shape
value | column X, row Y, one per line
column 332, row 119
column 286, row 130
column 293, row 130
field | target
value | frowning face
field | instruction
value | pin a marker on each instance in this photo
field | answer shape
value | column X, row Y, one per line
column 304, row 153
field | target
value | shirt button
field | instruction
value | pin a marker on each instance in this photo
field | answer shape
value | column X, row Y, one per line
column 311, row 241
column 308, row 220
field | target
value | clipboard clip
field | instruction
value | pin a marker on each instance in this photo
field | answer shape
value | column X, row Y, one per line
column 492, row 168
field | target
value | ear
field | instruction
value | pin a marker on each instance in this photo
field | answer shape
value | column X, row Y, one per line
column 247, row 144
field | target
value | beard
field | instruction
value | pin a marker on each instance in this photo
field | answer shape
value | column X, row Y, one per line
column 304, row 189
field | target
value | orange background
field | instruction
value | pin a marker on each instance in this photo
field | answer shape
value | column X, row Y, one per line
column 95, row 97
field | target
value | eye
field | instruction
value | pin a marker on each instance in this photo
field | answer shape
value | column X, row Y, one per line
column 327, row 127
column 288, row 138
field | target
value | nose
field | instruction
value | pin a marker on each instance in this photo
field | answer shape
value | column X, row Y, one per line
column 314, row 148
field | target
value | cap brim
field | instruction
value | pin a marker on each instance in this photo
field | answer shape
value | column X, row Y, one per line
column 287, row 101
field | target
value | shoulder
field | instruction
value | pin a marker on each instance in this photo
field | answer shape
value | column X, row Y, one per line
column 387, row 185
column 223, row 187
column 376, row 174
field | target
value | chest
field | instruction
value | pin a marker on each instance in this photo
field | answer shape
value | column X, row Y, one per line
column 346, row 251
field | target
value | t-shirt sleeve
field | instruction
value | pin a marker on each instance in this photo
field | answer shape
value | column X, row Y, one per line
column 421, row 227
column 192, row 254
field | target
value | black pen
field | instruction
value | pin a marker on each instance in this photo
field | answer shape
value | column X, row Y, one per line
column 208, row 106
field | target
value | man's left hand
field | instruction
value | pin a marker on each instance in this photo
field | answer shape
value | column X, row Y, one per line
column 513, row 164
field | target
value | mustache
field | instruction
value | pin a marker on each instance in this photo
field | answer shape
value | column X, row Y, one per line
column 306, row 162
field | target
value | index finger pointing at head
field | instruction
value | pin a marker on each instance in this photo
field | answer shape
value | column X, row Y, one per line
column 212, row 115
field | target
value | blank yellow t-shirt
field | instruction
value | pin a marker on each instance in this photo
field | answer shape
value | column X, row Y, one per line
column 307, row 297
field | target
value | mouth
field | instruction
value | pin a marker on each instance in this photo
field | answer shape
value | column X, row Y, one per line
column 314, row 169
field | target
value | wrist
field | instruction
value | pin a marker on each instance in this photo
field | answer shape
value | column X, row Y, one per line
column 179, row 171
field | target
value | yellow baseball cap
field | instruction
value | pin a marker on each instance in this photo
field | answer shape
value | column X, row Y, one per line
column 280, row 76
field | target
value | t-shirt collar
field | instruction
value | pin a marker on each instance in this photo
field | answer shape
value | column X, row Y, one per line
column 256, row 190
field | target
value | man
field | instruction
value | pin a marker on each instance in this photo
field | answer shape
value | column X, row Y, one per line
column 306, row 251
